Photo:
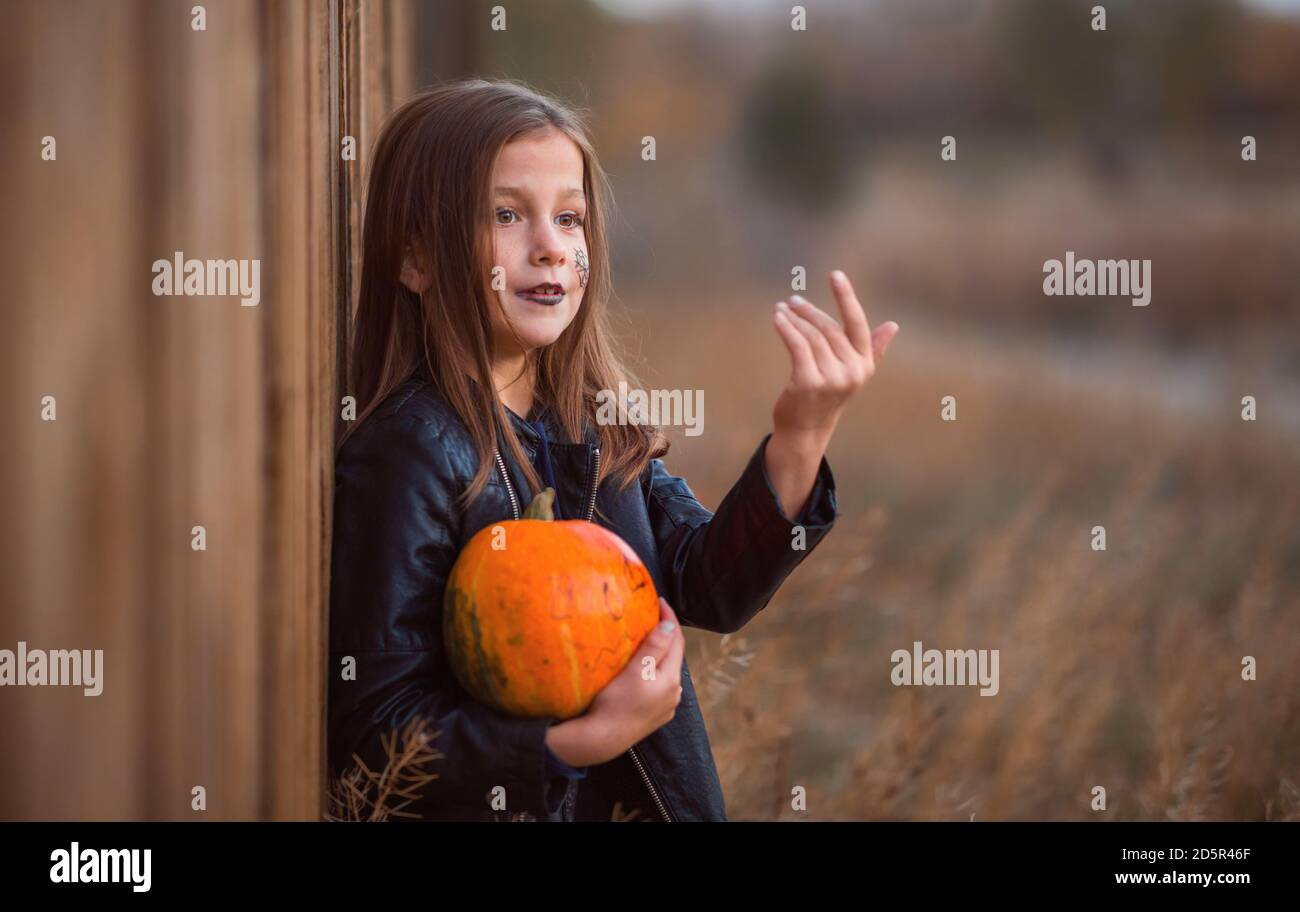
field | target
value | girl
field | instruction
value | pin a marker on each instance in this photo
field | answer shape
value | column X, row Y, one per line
column 480, row 348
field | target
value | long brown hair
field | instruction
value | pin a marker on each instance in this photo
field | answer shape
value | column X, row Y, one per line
column 429, row 187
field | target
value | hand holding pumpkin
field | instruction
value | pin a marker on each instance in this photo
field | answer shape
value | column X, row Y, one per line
column 556, row 619
column 640, row 699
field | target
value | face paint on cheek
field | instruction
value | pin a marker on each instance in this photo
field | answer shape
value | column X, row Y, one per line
column 580, row 264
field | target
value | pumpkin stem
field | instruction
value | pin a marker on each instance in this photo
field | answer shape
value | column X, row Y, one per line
column 541, row 507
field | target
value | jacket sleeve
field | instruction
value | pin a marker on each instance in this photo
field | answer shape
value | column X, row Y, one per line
column 723, row 568
column 396, row 536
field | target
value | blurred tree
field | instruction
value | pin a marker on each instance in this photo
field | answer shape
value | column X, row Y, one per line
column 554, row 46
column 1161, row 63
column 1065, row 71
column 794, row 140
column 447, row 39
column 1188, row 46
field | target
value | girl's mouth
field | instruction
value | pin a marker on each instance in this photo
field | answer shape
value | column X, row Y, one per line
column 547, row 299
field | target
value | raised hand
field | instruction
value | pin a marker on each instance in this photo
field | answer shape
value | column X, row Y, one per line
column 829, row 362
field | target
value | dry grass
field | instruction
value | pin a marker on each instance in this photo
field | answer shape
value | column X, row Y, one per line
column 1119, row 668
column 360, row 794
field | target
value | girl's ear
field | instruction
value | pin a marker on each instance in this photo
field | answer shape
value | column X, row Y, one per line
column 415, row 273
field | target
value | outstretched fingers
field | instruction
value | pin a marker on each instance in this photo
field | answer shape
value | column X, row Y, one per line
column 834, row 333
column 802, row 360
column 856, row 326
column 828, row 365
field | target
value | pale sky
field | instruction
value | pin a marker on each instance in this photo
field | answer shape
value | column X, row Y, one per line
column 651, row 8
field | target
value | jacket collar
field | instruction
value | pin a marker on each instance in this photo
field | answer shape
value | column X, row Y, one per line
column 555, row 435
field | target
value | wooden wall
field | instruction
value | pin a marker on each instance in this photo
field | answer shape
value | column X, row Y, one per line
column 173, row 412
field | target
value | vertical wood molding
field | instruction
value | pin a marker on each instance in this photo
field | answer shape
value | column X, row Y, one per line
column 372, row 60
column 336, row 68
column 301, row 366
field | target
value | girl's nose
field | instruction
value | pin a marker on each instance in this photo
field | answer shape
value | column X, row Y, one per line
column 550, row 256
column 549, row 248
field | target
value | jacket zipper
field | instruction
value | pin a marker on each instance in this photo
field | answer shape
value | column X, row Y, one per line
column 591, row 511
column 514, row 501
column 645, row 777
column 510, row 489
column 595, row 474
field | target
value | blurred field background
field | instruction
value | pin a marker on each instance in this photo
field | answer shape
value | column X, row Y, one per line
column 775, row 149
column 821, row 149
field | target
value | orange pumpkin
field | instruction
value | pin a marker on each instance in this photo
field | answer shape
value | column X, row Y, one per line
column 540, row 614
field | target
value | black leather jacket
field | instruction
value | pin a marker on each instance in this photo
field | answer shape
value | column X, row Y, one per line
column 397, row 532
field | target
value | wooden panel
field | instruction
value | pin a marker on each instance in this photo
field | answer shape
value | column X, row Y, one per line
column 177, row 411
column 160, row 423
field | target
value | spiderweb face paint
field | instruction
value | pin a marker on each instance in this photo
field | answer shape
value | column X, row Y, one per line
column 580, row 263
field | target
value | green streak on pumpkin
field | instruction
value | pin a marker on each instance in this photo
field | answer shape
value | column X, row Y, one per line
column 474, row 667
column 492, row 668
column 482, row 671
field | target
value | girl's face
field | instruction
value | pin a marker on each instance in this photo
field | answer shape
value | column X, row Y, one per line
column 538, row 234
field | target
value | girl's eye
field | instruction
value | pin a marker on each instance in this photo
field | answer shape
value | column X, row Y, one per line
column 577, row 220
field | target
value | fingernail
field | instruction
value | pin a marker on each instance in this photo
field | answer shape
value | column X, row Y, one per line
column 667, row 626
column 839, row 276
column 799, row 299
column 781, row 305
